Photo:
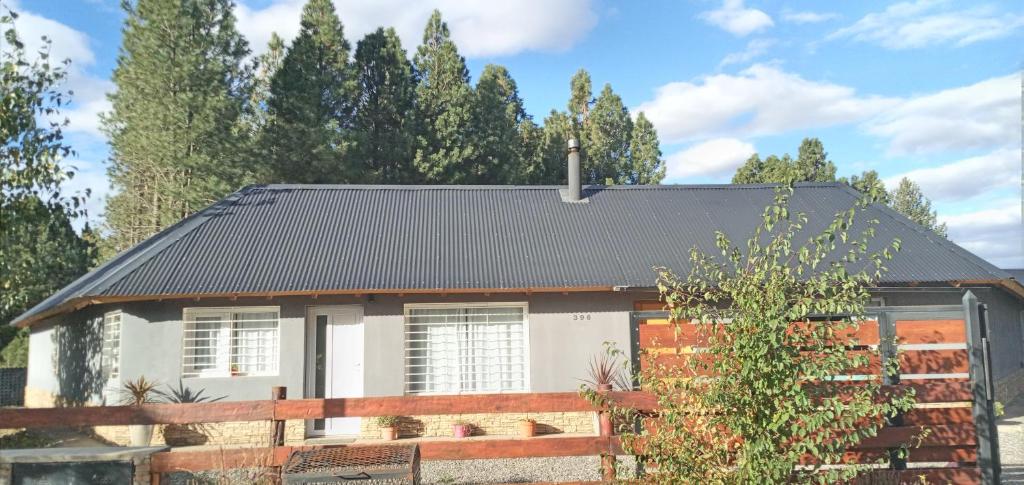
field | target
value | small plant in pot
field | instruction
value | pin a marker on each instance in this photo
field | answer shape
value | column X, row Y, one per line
column 136, row 393
column 186, row 434
column 461, row 429
column 388, row 427
column 527, row 428
column 606, row 374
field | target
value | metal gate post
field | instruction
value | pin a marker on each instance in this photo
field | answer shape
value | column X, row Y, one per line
column 887, row 349
column 982, row 390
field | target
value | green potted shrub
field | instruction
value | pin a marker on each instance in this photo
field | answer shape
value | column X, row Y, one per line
column 136, row 393
column 186, row 434
column 388, row 427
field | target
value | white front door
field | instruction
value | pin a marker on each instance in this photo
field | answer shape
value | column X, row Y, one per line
column 337, row 362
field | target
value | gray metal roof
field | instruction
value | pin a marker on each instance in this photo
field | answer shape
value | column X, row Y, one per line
column 309, row 238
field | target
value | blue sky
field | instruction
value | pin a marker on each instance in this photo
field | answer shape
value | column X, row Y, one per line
column 929, row 89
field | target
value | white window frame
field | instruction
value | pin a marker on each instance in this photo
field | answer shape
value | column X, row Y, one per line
column 527, row 386
column 115, row 352
column 224, row 352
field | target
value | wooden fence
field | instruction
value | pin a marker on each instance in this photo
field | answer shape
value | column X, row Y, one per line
column 940, row 360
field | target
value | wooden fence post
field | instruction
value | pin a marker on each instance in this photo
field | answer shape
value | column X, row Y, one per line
column 277, row 425
column 607, row 429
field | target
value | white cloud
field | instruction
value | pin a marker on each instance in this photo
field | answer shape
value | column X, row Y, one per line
column 923, row 23
column 760, row 100
column 755, row 48
column 966, row 178
column 733, row 17
column 808, row 17
column 89, row 98
column 480, row 28
column 983, row 114
column 714, row 157
column 995, row 233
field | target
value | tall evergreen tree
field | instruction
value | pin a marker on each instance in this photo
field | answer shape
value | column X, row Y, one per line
column 647, row 166
column 174, row 128
column 384, row 109
column 267, row 65
column 869, row 183
column 607, row 133
column 444, row 107
column 581, row 98
column 812, row 163
column 908, row 200
column 545, row 164
column 309, row 135
column 498, row 116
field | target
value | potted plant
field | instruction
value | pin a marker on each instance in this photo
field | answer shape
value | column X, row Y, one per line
column 234, row 370
column 388, row 427
column 527, row 428
column 186, row 434
column 136, row 393
column 462, row 429
column 606, row 373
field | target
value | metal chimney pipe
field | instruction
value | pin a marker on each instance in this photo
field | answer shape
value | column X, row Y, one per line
column 574, row 194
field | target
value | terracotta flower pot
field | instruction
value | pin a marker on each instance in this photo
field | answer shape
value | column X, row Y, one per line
column 604, row 420
column 461, row 430
column 527, row 429
column 389, row 434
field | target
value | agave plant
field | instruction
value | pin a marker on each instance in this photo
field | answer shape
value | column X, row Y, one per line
column 140, row 391
column 184, row 394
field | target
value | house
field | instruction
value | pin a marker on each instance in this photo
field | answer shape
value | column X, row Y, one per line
column 349, row 290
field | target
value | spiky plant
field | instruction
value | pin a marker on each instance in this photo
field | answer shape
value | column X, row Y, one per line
column 140, row 391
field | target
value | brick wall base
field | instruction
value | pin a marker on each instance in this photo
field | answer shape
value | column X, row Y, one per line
column 1010, row 387
column 483, row 424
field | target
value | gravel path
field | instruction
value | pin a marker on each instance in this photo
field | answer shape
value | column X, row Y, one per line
column 518, row 470
column 1011, row 442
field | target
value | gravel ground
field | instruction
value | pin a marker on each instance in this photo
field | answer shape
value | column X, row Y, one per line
column 518, row 470
column 1011, row 442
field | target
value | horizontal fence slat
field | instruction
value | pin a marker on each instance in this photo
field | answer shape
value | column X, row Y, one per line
column 933, row 435
column 931, row 331
column 442, row 449
column 952, row 415
column 214, row 412
column 934, row 362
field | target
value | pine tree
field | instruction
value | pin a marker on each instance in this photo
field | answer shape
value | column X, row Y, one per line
column 607, row 133
column 267, row 64
column 750, row 172
column 384, row 109
column 444, row 107
column 645, row 154
column 581, row 98
column 908, row 200
column 545, row 164
column 812, row 163
column 870, row 184
column 309, row 136
column 498, row 115
column 174, row 129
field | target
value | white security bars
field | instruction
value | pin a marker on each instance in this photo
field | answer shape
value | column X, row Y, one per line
column 470, row 348
column 221, row 342
column 110, row 356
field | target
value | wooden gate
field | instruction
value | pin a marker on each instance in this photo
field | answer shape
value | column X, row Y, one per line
column 942, row 353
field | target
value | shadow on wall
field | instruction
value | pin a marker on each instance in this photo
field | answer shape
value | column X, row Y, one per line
column 77, row 347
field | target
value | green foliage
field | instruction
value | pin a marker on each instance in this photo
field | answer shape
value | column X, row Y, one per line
column 266, row 66
column 444, row 108
column 762, row 395
column 498, row 116
column 868, row 183
column 811, row 165
column 184, row 394
column 387, row 421
column 607, row 133
column 908, row 200
column 384, row 109
column 176, row 134
column 39, row 250
column 312, row 98
column 140, row 391
column 645, row 154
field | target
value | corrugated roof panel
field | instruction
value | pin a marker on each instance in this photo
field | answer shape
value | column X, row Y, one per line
column 318, row 238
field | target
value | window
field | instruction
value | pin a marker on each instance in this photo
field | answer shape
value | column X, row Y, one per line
column 452, row 349
column 110, row 357
column 221, row 342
